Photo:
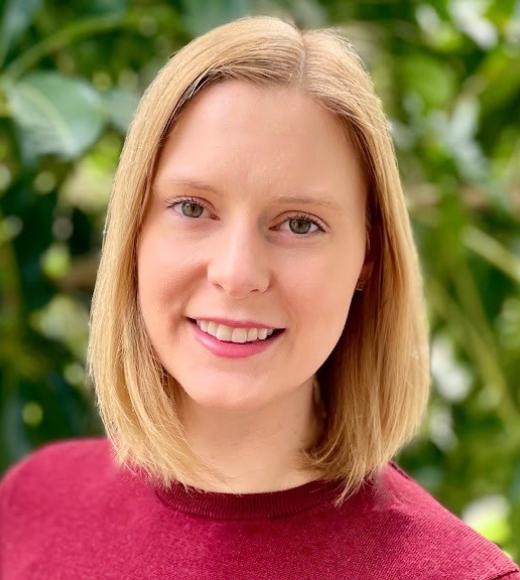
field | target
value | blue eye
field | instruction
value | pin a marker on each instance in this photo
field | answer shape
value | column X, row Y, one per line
column 194, row 206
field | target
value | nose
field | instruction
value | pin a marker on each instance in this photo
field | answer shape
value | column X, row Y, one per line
column 238, row 261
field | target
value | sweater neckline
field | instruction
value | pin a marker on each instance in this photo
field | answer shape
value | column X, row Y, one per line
column 270, row 504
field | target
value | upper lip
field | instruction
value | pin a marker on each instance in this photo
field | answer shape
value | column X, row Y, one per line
column 237, row 323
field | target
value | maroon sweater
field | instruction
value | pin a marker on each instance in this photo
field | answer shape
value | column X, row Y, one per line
column 67, row 512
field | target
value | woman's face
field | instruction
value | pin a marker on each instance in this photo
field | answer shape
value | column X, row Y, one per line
column 246, row 247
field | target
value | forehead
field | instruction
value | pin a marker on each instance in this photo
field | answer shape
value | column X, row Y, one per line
column 256, row 138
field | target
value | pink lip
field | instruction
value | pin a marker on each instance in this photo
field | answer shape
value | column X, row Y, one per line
column 236, row 323
column 231, row 349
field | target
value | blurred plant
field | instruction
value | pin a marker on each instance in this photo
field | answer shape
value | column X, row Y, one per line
column 448, row 72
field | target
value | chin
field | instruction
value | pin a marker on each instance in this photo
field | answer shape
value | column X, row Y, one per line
column 224, row 399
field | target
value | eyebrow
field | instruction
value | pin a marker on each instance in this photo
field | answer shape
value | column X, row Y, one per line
column 319, row 200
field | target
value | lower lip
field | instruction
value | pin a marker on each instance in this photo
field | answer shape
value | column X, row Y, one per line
column 232, row 349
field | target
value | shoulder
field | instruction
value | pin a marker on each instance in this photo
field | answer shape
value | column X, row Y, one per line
column 57, row 467
column 432, row 536
column 59, row 457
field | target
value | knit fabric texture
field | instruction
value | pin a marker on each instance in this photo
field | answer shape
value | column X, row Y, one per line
column 67, row 512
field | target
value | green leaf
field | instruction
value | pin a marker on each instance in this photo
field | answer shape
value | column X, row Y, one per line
column 489, row 517
column 56, row 114
column 499, row 79
column 102, row 6
column 17, row 16
column 120, row 106
column 199, row 16
column 66, row 320
column 431, row 79
column 55, row 261
column 15, row 438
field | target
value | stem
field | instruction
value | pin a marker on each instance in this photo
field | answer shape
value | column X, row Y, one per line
column 493, row 251
column 11, row 292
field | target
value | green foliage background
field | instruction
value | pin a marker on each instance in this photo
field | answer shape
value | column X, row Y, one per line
column 449, row 75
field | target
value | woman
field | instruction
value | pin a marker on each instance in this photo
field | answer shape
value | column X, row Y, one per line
column 258, row 345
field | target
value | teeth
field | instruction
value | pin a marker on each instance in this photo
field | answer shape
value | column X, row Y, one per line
column 239, row 335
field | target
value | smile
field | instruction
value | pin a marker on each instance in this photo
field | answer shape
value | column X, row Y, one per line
column 228, row 348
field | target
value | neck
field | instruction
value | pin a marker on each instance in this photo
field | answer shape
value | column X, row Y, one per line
column 255, row 450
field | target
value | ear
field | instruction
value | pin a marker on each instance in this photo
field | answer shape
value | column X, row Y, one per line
column 366, row 271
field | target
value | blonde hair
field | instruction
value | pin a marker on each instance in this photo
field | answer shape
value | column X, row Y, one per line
column 375, row 383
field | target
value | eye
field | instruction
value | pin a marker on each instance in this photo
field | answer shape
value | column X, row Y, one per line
column 190, row 205
column 300, row 219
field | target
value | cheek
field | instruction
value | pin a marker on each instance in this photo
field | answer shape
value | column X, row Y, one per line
column 160, row 276
column 147, row 272
column 325, row 284
column 322, row 293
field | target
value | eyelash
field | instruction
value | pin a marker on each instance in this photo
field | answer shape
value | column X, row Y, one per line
column 300, row 216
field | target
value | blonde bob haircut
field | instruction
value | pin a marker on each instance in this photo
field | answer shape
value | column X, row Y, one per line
column 374, row 386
